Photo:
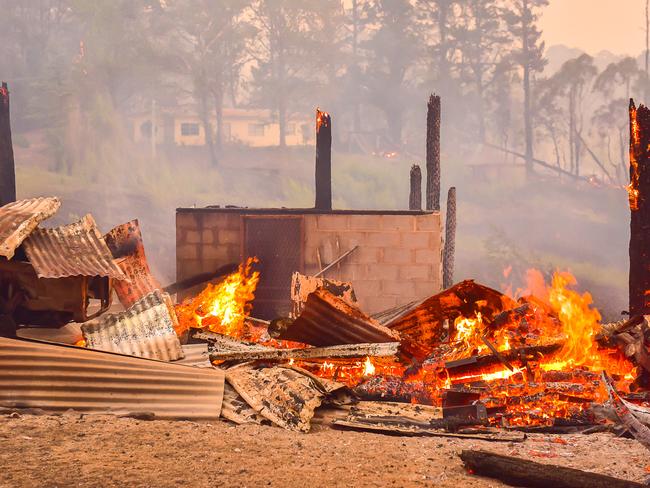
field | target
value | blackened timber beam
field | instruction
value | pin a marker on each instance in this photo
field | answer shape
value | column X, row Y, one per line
column 521, row 472
column 448, row 258
column 415, row 191
column 433, row 153
column 7, row 167
column 639, row 199
column 323, row 161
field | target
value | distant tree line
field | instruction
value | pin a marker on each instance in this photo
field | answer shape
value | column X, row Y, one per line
column 76, row 66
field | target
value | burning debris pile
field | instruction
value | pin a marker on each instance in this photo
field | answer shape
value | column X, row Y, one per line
column 479, row 356
column 469, row 357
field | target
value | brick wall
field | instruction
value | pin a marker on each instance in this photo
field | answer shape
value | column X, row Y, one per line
column 398, row 259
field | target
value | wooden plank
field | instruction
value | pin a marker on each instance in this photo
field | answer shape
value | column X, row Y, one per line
column 394, row 430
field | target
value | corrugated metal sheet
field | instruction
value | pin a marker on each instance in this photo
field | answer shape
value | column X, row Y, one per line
column 77, row 249
column 145, row 330
column 19, row 219
column 302, row 286
column 127, row 248
column 329, row 321
column 57, row 378
column 422, row 322
column 196, row 355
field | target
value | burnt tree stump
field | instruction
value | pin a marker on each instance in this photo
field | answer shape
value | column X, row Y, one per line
column 639, row 199
column 450, row 240
column 415, row 193
column 323, row 161
column 7, row 167
column 433, row 153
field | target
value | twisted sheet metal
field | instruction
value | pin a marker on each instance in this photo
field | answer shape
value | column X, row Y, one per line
column 145, row 330
column 76, row 249
column 127, row 248
column 57, row 378
column 327, row 320
column 18, row 219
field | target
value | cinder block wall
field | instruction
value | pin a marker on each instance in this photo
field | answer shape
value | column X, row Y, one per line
column 398, row 259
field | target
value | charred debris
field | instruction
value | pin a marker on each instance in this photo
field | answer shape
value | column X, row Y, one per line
column 467, row 361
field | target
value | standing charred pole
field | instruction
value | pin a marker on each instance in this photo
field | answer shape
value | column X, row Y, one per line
column 415, row 193
column 639, row 197
column 450, row 241
column 323, row 161
column 433, row 153
column 7, row 168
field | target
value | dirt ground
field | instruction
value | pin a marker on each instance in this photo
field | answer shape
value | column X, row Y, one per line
column 90, row 451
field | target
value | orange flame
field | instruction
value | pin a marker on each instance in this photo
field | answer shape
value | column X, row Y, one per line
column 223, row 307
column 635, row 142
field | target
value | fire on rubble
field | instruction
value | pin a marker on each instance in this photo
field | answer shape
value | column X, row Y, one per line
column 549, row 357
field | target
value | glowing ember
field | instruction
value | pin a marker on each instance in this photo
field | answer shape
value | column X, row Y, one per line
column 223, row 307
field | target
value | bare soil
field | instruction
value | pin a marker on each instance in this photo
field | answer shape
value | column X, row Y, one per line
column 90, row 451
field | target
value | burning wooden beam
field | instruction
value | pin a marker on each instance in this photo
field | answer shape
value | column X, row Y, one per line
column 415, row 193
column 638, row 191
column 521, row 472
column 450, row 240
column 323, row 161
column 7, row 166
column 433, row 153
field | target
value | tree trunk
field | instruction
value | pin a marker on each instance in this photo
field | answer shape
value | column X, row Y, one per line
column 415, row 194
column 218, row 109
column 7, row 166
column 528, row 118
column 433, row 153
column 323, row 161
column 639, row 198
column 207, row 129
column 450, row 241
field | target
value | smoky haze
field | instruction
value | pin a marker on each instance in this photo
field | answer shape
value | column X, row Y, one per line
column 533, row 137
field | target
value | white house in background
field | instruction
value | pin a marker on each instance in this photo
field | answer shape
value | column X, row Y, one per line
column 249, row 127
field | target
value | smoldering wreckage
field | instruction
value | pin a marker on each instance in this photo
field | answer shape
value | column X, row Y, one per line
column 467, row 362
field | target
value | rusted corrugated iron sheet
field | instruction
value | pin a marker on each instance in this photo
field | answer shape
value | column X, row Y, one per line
column 302, row 286
column 423, row 321
column 145, row 330
column 57, row 378
column 329, row 321
column 127, row 248
column 76, row 249
column 19, row 219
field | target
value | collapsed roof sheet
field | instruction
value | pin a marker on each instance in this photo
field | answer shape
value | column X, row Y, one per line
column 329, row 321
column 423, row 321
column 125, row 243
column 19, row 219
column 76, row 249
column 145, row 330
column 57, row 378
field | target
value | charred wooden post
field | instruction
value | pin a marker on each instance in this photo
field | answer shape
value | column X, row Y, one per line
column 7, row 168
column 450, row 240
column 433, row 153
column 323, row 161
column 639, row 198
column 521, row 472
column 415, row 194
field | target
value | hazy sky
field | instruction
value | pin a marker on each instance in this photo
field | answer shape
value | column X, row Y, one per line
column 595, row 25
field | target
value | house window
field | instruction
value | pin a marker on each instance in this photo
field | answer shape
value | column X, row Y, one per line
column 256, row 130
column 291, row 128
column 189, row 129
